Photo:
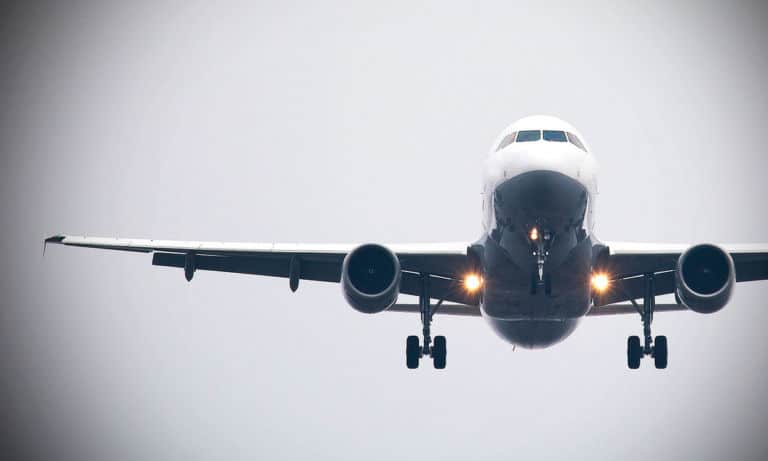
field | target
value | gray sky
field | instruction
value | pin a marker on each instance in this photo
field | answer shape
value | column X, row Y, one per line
column 362, row 122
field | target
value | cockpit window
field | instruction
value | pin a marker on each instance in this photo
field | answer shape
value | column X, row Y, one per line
column 508, row 139
column 537, row 135
column 557, row 136
column 573, row 139
column 528, row 135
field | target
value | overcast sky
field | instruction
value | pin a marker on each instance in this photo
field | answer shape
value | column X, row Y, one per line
column 362, row 121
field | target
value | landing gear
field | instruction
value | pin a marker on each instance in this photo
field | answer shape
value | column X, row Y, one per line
column 634, row 352
column 439, row 352
column 540, row 243
column 660, row 352
column 415, row 351
column 412, row 352
column 656, row 349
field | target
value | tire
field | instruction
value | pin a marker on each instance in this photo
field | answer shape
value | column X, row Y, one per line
column 660, row 352
column 634, row 352
column 412, row 352
column 439, row 351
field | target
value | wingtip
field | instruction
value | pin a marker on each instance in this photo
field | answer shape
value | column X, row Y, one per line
column 54, row 239
column 58, row 238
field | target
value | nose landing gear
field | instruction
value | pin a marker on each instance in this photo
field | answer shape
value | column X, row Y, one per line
column 415, row 351
column 540, row 242
column 654, row 348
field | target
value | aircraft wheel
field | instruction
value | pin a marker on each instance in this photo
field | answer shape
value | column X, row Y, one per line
column 634, row 352
column 412, row 352
column 439, row 351
column 660, row 352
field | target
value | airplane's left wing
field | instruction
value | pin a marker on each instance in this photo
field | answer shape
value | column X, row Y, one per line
column 446, row 263
column 626, row 263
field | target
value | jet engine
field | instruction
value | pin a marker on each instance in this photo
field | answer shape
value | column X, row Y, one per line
column 704, row 278
column 370, row 278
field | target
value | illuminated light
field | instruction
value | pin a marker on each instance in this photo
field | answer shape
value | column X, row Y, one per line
column 600, row 281
column 473, row 282
column 534, row 234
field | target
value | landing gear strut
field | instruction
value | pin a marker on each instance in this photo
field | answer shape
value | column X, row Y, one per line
column 540, row 242
column 654, row 348
column 413, row 350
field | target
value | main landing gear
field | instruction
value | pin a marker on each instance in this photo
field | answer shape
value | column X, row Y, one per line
column 415, row 351
column 654, row 348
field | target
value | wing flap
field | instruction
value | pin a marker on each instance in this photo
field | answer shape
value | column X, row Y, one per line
column 440, row 288
column 621, row 309
column 634, row 287
column 462, row 310
column 321, row 271
column 465, row 310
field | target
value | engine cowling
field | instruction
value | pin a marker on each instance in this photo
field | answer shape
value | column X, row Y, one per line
column 704, row 278
column 370, row 278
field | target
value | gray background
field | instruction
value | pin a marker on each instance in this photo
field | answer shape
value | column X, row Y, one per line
column 361, row 122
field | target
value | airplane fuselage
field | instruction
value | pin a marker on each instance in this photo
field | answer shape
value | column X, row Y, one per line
column 537, row 243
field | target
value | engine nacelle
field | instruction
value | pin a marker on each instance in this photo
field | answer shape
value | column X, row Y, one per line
column 704, row 278
column 370, row 278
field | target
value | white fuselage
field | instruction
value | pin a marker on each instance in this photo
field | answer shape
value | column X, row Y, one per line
column 537, row 285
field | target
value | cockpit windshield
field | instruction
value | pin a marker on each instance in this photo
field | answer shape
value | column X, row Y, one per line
column 528, row 135
column 538, row 135
column 557, row 136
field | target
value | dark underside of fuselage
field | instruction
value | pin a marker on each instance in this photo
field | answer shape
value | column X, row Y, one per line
column 526, row 306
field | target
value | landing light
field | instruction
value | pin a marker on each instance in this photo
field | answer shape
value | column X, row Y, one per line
column 600, row 282
column 473, row 282
column 534, row 234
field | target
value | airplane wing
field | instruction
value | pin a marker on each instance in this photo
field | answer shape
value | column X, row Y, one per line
column 446, row 263
column 627, row 262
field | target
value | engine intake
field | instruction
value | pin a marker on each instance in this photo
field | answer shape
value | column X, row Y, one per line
column 370, row 278
column 705, row 276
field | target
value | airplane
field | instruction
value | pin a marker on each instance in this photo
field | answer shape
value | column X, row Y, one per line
column 535, row 272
